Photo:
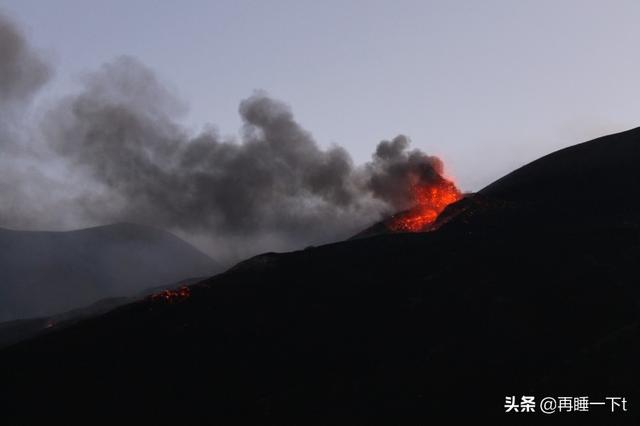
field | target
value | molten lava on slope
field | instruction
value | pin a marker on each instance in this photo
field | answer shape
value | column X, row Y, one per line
column 430, row 200
column 172, row 296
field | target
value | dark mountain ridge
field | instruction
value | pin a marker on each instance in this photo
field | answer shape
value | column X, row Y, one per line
column 519, row 292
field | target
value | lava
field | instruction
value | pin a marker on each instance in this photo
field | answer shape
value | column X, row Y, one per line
column 172, row 296
column 429, row 200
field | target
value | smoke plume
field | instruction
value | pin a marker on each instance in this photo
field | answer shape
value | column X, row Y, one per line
column 22, row 71
column 126, row 157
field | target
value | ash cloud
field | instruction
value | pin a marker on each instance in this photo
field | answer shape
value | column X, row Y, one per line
column 22, row 71
column 395, row 170
column 127, row 158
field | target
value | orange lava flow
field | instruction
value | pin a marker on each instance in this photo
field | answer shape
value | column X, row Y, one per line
column 172, row 296
column 430, row 201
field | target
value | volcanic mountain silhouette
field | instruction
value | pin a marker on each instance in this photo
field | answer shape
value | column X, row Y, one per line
column 529, row 287
column 44, row 273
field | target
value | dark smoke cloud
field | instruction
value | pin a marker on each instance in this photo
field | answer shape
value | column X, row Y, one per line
column 22, row 71
column 395, row 170
column 129, row 159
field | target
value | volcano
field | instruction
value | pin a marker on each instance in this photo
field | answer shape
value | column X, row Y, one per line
column 529, row 287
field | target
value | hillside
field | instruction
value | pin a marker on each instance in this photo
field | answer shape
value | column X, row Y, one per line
column 520, row 292
column 45, row 273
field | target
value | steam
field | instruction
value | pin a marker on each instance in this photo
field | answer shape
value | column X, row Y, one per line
column 128, row 158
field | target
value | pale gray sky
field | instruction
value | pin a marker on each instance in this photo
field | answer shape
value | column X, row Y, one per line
column 486, row 85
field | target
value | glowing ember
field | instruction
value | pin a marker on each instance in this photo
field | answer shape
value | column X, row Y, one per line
column 172, row 296
column 430, row 201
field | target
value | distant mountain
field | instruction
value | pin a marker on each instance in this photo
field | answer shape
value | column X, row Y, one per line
column 528, row 288
column 44, row 273
column 18, row 330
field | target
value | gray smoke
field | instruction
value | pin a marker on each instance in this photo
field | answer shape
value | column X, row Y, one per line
column 22, row 71
column 128, row 158
column 395, row 170
column 22, row 181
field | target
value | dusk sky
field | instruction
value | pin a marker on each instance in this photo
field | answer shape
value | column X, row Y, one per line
column 486, row 85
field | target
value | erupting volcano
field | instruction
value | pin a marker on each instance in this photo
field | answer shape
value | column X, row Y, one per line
column 429, row 201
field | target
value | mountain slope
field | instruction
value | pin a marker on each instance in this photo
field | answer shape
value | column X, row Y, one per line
column 592, row 182
column 508, row 297
column 44, row 273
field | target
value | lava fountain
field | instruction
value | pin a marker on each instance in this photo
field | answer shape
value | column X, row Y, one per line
column 429, row 200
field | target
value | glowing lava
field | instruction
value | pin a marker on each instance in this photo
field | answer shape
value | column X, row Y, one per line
column 172, row 296
column 430, row 200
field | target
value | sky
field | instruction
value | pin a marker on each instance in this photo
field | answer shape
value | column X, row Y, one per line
column 192, row 129
column 487, row 86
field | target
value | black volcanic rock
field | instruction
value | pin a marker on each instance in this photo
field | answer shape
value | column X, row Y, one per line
column 44, row 273
column 600, row 170
column 515, row 294
column 596, row 182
